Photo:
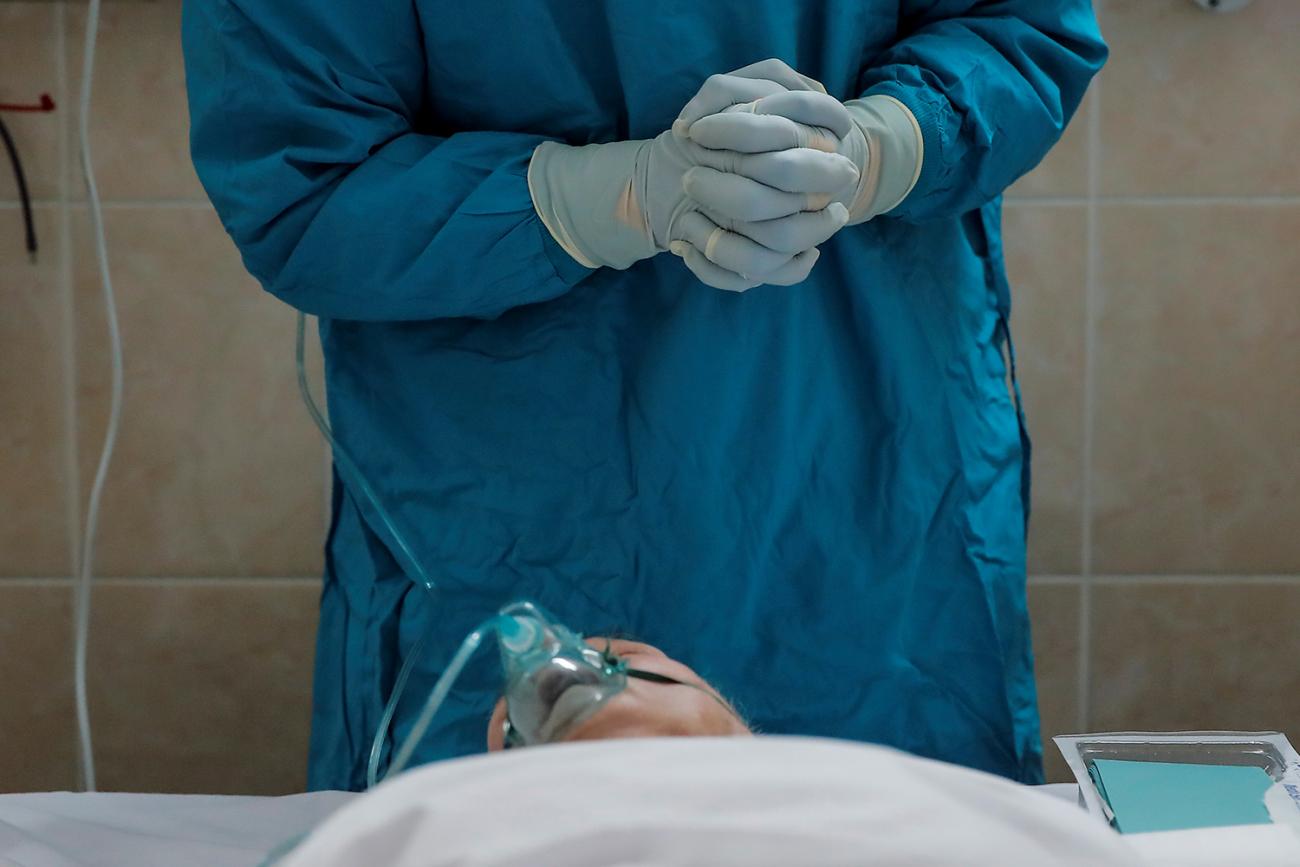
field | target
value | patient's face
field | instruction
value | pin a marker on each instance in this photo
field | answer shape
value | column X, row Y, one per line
column 646, row 709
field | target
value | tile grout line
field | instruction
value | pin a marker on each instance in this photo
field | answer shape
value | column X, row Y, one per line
column 1261, row 580
column 327, row 453
column 1281, row 579
column 71, row 446
column 327, row 493
column 1153, row 201
column 160, row 204
column 1053, row 580
column 1278, row 579
column 167, row 581
column 1011, row 201
column 1083, row 687
column 72, row 469
column 116, row 204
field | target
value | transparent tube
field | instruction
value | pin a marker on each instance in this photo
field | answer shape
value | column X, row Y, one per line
column 86, row 753
column 440, row 691
column 422, row 579
column 350, row 469
column 390, row 709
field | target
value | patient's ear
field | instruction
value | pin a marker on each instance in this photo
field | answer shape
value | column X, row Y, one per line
column 496, row 727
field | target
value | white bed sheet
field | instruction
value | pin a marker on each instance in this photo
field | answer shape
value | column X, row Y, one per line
column 106, row 829
column 65, row 829
column 705, row 802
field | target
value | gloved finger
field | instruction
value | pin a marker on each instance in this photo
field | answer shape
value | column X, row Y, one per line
column 809, row 109
column 727, row 249
column 795, row 271
column 737, row 197
column 779, row 71
column 797, row 233
column 709, row 273
column 748, row 133
column 719, row 93
column 797, row 170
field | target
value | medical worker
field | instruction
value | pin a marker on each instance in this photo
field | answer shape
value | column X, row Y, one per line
column 685, row 319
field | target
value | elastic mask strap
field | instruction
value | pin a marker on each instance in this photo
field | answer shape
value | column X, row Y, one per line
column 655, row 677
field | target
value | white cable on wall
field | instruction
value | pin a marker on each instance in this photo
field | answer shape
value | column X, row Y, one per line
column 86, row 755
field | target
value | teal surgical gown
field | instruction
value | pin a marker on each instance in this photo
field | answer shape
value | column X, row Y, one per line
column 813, row 495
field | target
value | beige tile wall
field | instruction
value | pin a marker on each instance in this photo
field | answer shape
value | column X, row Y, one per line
column 209, row 544
column 1157, row 274
column 1155, row 263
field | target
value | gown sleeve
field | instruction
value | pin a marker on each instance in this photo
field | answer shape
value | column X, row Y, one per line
column 305, row 132
column 992, row 84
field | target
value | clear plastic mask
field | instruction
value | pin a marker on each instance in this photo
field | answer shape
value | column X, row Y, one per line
column 554, row 680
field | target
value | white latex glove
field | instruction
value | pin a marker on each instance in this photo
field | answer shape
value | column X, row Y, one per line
column 884, row 141
column 611, row 205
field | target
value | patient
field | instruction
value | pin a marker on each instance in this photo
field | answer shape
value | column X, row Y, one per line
column 646, row 708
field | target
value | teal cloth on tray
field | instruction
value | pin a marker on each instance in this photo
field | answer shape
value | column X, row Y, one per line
column 1166, row 796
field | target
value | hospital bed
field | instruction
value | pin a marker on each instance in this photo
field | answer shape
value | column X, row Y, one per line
column 63, row 829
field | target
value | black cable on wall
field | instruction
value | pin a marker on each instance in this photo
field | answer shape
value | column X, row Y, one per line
column 23, row 193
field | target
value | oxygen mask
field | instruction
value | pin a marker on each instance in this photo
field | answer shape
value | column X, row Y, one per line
column 554, row 680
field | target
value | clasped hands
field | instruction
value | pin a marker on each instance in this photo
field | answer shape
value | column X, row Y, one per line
column 770, row 169
column 760, row 169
